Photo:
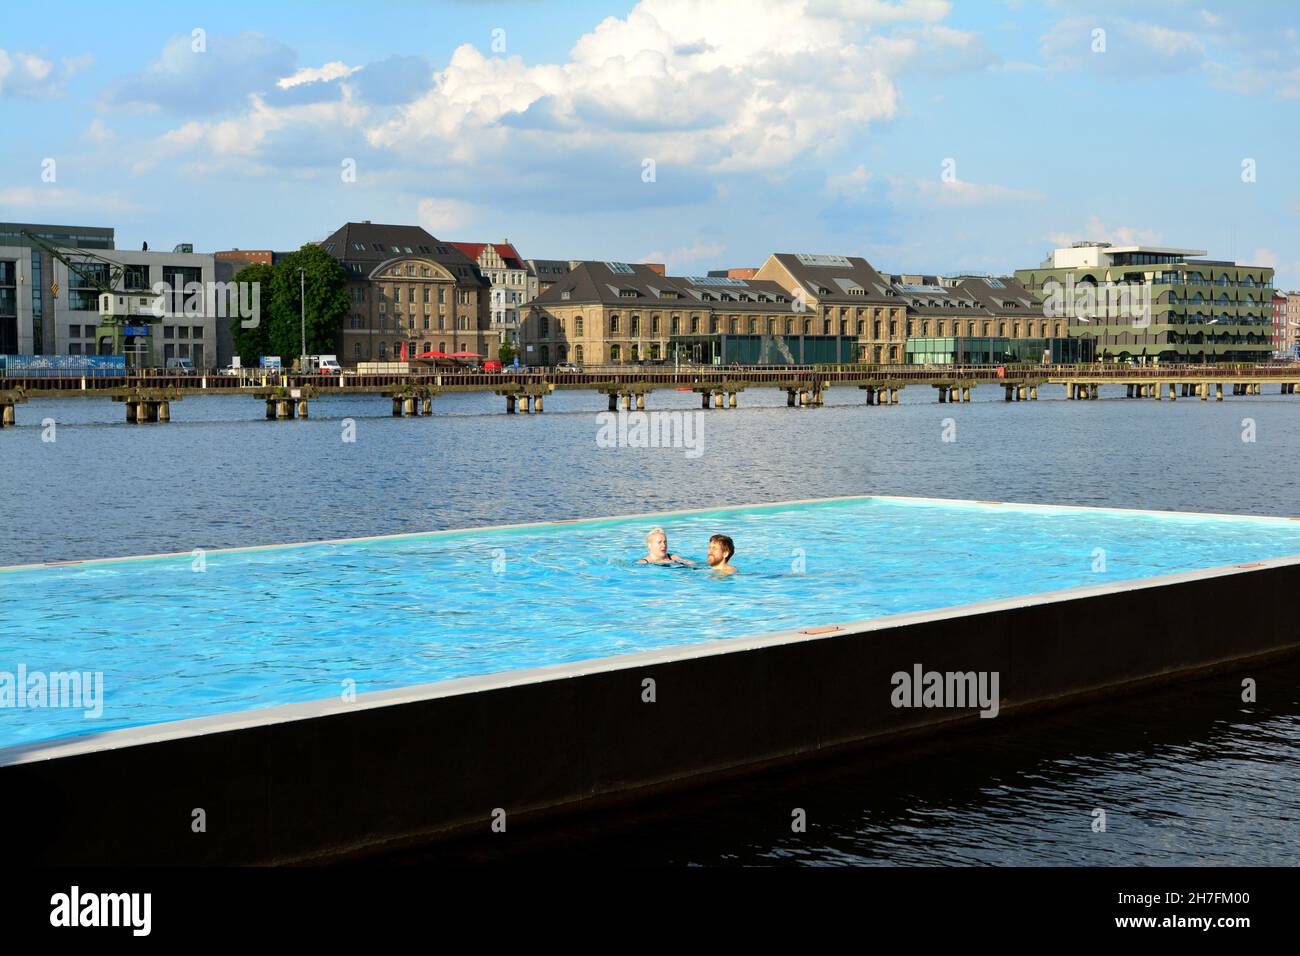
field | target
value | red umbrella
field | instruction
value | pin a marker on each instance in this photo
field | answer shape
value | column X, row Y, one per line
column 465, row 355
column 403, row 351
column 432, row 355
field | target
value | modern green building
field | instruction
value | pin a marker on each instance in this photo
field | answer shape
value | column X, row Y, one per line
column 1157, row 305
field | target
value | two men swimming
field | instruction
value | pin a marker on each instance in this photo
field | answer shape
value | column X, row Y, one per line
column 721, row 548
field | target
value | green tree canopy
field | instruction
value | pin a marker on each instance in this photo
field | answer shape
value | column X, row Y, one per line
column 327, row 303
column 506, row 353
column 252, row 343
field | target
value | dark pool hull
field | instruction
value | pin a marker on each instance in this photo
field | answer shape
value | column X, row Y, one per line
column 325, row 779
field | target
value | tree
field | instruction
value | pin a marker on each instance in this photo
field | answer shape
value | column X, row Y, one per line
column 507, row 353
column 327, row 303
column 252, row 343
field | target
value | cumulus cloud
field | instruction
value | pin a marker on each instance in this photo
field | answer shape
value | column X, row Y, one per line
column 217, row 78
column 687, row 82
column 28, row 75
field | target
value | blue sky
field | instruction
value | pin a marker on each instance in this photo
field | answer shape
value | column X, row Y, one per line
column 927, row 136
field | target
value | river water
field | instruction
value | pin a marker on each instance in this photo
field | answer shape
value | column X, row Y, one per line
column 1189, row 775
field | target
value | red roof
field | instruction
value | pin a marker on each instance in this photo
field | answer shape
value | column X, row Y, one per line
column 505, row 250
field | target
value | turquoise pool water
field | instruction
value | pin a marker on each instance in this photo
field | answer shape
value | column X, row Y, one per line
column 260, row 628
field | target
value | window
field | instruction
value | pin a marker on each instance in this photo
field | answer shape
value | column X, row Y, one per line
column 615, row 353
column 613, row 325
column 356, row 352
column 577, row 352
column 695, row 324
column 636, row 325
column 654, row 325
column 543, row 328
column 383, row 351
column 677, row 325
column 577, row 325
column 713, row 324
column 734, row 326
column 753, row 325
column 462, row 323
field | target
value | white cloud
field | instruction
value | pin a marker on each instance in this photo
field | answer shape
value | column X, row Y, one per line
column 60, row 198
column 854, row 183
column 438, row 215
column 330, row 71
column 683, row 255
column 686, row 82
column 1130, row 47
column 1097, row 230
column 937, row 192
column 29, row 75
column 99, row 133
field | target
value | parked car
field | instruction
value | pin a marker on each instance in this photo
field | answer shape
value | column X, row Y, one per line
column 567, row 367
column 181, row 366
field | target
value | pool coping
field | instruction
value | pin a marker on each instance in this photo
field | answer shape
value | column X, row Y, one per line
column 94, row 742
column 908, row 499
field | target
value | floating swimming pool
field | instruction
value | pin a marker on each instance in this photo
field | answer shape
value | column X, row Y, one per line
column 184, row 636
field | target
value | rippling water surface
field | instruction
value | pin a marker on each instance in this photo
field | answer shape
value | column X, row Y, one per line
column 1191, row 775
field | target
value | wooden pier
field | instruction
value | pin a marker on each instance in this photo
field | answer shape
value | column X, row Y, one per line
column 148, row 395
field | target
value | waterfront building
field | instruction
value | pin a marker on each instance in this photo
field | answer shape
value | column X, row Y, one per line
column 1292, row 324
column 847, row 296
column 186, row 328
column 544, row 273
column 408, row 287
column 508, row 280
column 1279, row 324
column 1166, row 304
column 611, row 313
column 27, row 298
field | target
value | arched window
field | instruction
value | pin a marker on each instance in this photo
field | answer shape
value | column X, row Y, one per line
column 356, row 352
column 383, row 351
column 577, row 354
column 546, row 355
column 753, row 326
column 654, row 351
column 634, row 353
column 735, row 326
column 613, row 325
column 442, row 347
column 615, row 354
column 807, row 326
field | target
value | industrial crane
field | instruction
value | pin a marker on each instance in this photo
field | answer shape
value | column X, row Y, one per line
column 105, row 277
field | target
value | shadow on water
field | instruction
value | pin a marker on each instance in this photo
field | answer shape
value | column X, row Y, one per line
column 1185, row 775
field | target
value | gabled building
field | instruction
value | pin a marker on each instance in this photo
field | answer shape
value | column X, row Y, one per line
column 847, row 296
column 611, row 313
column 507, row 277
column 407, row 286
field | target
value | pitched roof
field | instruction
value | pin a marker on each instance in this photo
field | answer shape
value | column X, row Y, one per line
column 620, row 283
column 361, row 246
column 504, row 249
column 836, row 278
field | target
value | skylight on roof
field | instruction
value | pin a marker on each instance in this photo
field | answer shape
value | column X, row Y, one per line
column 620, row 268
column 995, row 283
column 717, row 280
column 917, row 289
column 815, row 259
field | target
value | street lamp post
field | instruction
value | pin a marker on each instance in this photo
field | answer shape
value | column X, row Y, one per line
column 302, row 308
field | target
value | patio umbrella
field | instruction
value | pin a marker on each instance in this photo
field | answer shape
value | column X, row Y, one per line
column 465, row 355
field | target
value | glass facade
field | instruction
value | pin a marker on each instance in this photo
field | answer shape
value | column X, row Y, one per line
column 959, row 350
column 726, row 349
